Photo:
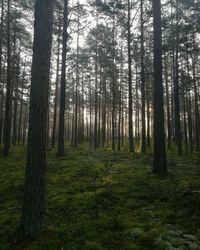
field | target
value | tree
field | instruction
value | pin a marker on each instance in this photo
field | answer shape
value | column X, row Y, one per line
column 34, row 193
column 159, row 161
column 131, row 144
column 61, row 136
column 143, row 83
column 9, row 87
column 56, row 87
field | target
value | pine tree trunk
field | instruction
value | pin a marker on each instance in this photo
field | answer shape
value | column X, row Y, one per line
column 9, row 88
column 168, row 107
column 1, row 113
column 53, row 141
column 76, row 130
column 16, row 80
column 143, row 83
column 1, row 36
column 34, row 193
column 178, row 132
column 19, row 135
column 189, row 109
column 25, row 124
column 113, row 85
column 130, row 125
column 61, row 132
column 96, row 92
column 159, row 161
column 196, row 107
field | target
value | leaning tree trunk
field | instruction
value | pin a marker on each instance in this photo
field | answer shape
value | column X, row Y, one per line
column 159, row 161
column 34, row 195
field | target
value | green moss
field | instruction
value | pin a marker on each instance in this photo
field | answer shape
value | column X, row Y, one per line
column 105, row 200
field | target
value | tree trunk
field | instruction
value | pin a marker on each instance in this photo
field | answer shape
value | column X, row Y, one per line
column 34, row 194
column 53, row 141
column 130, row 113
column 178, row 133
column 19, row 135
column 16, row 81
column 189, row 109
column 76, row 134
column 159, row 161
column 9, row 88
column 196, row 108
column 61, row 133
column 168, row 107
column 143, row 83
column 1, row 36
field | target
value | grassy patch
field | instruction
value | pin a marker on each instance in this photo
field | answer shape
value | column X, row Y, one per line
column 105, row 200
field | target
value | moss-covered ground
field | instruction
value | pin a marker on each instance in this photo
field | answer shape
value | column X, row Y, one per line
column 105, row 200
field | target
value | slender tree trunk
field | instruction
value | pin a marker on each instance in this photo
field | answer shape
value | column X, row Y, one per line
column 196, row 108
column 122, row 115
column 130, row 125
column 143, row 83
column 119, row 120
column 189, row 109
column 137, row 113
column 178, row 133
column 120, row 101
column 14, row 131
column 1, row 113
column 19, row 134
column 8, row 102
column 104, row 110
column 82, row 109
column 185, row 122
column 113, row 86
column 1, row 57
column 96, row 91
column 61, row 132
column 90, row 133
column 25, row 124
column 76, row 134
column 172, row 98
column 1, row 36
column 148, row 118
column 168, row 107
column 159, row 161
column 56, row 90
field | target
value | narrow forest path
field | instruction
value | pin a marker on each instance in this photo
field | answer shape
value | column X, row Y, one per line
column 105, row 200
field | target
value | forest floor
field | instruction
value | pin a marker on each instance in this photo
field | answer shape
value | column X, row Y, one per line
column 104, row 200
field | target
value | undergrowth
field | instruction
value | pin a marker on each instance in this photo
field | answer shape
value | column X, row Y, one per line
column 104, row 200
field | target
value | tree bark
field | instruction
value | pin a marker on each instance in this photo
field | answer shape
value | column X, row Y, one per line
column 9, row 88
column 130, row 125
column 34, row 193
column 53, row 141
column 61, row 133
column 159, row 160
column 143, row 83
